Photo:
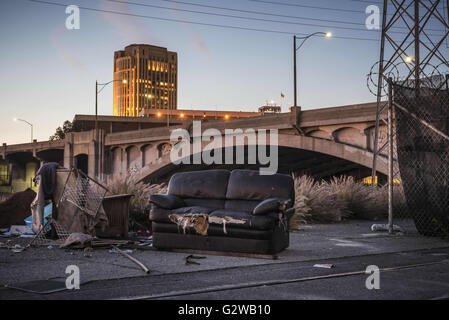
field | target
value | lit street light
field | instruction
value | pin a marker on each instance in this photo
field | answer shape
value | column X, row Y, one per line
column 408, row 59
column 295, row 49
column 30, row 124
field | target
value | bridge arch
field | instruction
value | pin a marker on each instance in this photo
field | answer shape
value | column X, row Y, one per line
column 133, row 159
column 350, row 136
column 297, row 149
column 320, row 134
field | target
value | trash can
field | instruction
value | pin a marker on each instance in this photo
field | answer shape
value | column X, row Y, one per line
column 117, row 210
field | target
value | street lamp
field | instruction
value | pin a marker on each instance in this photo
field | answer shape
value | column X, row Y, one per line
column 30, row 124
column 295, row 49
column 408, row 59
column 96, row 97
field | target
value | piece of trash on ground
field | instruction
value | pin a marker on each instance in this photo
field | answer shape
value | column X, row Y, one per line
column 385, row 227
column 189, row 259
column 78, row 239
column 117, row 251
column 324, row 266
column 18, row 230
column 17, row 248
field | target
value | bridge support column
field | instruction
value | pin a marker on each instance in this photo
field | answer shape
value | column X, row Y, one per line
column 68, row 154
column 92, row 159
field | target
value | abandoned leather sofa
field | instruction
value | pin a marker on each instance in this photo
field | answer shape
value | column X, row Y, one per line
column 218, row 210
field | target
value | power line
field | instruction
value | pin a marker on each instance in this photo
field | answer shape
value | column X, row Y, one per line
column 246, row 18
column 324, row 8
column 307, row 6
column 258, row 12
column 194, row 22
column 274, row 14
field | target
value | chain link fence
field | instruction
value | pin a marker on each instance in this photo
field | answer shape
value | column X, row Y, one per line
column 421, row 153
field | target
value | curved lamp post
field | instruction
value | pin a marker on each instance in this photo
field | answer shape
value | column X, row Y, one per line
column 102, row 85
column 30, row 124
column 295, row 49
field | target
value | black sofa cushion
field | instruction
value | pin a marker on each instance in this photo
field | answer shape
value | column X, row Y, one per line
column 162, row 215
column 241, row 219
column 167, row 201
column 210, row 184
column 271, row 205
column 250, row 185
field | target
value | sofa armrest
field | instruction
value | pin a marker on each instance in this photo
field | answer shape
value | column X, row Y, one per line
column 271, row 205
column 167, row 201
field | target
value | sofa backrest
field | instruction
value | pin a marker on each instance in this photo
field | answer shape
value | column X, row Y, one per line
column 240, row 190
column 249, row 185
column 207, row 184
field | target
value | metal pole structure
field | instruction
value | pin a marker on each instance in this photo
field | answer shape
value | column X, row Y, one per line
column 390, row 156
column 379, row 93
column 96, row 105
column 417, row 44
column 294, row 72
column 295, row 49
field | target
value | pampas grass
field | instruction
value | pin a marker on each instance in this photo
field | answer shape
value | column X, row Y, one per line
column 315, row 201
column 338, row 199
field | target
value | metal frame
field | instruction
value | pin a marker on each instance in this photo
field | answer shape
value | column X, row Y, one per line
column 72, row 171
column 415, row 16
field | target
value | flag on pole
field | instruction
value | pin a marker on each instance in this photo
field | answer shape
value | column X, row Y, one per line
column 282, row 95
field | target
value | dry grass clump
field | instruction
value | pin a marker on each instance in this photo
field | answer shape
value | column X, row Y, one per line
column 315, row 201
column 139, row 203
column 340, row 198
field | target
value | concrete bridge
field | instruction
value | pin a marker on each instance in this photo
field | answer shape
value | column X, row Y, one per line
column 322, row 143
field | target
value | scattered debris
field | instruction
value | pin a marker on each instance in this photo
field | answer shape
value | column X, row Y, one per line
column 191, row 256
column 107, row 242
column 19, row 230
column 78, row 239
column 48, row 209
column 324, row 266
column 50, row 247
column 116, row 251
column 17, row 248
column 52, row 230
column 385, row 227
column 140, row 264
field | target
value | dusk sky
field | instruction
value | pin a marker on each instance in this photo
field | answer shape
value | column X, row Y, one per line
column 48, row 72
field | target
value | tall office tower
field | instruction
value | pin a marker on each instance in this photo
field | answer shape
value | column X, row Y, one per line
column 145, row 77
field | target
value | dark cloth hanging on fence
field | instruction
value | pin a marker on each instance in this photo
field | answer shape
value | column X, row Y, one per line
column 48, row 178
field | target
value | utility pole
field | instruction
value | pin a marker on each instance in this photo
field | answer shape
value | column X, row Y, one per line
column 96, row 106
column 294, row 71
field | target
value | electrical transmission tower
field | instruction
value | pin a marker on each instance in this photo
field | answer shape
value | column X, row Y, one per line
column 414, row 37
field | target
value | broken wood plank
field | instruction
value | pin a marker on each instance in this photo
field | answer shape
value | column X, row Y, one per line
column 140, row 264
